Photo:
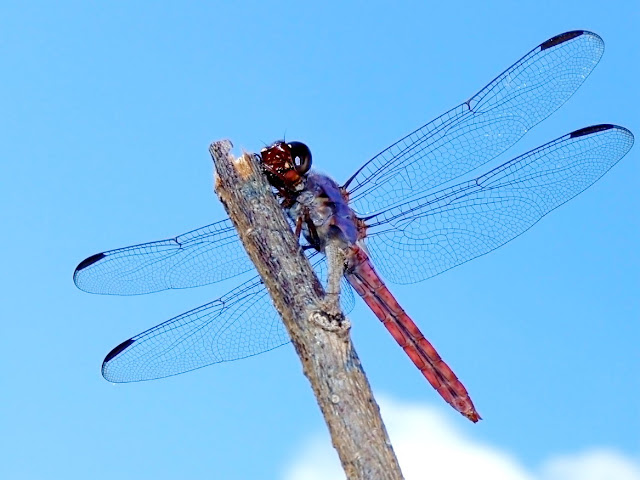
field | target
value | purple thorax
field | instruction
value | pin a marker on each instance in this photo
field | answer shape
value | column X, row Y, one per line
column 323, row 203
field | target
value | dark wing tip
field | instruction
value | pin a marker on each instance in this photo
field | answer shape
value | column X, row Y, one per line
column 563, row 37
column 89, row 261
column 115, row 352
column 592, row 129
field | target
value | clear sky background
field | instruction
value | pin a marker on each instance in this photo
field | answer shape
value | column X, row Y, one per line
column 107, row 112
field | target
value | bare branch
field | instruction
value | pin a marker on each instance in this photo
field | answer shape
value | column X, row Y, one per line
column 319, row 334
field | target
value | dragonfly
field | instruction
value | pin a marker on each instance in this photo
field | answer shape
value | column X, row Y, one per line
column 415, row 210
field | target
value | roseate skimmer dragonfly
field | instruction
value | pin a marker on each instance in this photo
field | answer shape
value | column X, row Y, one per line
column 407, row 211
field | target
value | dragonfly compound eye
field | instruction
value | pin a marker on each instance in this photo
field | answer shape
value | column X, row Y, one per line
column 301, row 156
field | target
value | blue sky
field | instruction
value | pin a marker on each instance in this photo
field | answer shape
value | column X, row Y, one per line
column 108, row 110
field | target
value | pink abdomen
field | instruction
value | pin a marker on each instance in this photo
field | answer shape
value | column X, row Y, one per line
column 365, row 280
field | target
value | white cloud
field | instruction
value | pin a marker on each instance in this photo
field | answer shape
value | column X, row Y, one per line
column 418, row 431
column 600, row 464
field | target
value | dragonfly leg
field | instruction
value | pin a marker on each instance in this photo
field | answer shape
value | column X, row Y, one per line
column 298, row 228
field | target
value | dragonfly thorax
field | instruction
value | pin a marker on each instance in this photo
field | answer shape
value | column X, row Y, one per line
column 323, row 213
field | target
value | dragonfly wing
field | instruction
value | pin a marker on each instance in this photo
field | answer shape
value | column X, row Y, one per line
column 429, row 235
column 479, row 129
column 240, row 324
column 206, row 255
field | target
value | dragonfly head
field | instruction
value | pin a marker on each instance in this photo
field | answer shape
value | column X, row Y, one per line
column 286, row 164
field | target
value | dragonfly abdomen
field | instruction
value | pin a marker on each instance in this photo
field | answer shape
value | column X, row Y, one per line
column 366, row 281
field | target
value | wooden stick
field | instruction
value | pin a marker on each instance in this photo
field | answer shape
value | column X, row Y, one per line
column 320, row 338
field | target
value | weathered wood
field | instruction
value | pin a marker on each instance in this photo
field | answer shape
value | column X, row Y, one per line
column 319, row 334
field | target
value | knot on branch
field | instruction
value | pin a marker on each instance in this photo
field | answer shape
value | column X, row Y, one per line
column 331, row 322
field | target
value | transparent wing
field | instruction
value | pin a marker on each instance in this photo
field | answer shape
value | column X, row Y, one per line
column 206, row 255
column 480, row 129
column 240, row 324
column 426, row 236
